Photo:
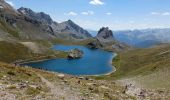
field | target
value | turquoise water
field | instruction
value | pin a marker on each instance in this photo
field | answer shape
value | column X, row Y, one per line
column 93, row 62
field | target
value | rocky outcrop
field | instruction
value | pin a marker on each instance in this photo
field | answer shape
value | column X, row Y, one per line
column 105, row 40
column 105, row 35
column 75, row 54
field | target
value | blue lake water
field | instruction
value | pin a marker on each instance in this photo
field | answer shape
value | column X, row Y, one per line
column 93, row 62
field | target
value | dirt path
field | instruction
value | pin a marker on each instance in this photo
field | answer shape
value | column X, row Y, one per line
column 58, row 92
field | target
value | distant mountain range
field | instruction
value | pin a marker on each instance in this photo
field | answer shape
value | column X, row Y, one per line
column 141, row 38
column 26, row 24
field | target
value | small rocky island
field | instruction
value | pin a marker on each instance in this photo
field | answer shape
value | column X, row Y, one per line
column 75, row 54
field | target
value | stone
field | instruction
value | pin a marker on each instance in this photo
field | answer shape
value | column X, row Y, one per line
column 104, row 87
column 26, row 81
column 33, row 86
column 81, row 78
column 61, row 76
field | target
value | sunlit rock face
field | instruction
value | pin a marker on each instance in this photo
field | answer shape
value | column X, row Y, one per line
column 105, row 35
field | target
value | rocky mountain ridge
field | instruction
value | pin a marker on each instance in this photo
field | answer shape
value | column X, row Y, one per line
column 40, row 16
column 64, row 29
column 27, row 24
column 143, row 38
column 72, row 29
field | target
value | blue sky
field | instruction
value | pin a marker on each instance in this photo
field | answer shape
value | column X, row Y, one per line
column 93, row 14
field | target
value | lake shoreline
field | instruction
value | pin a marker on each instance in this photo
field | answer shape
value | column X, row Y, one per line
column 113, row 69
column 32, row 61
column 97, row 75
column 109, row 73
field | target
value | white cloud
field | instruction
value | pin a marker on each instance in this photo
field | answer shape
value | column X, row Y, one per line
column 10, row 2
column 155, row 13
column 161, row 13
column 88, row 13
column 96, row 2
column 71, row 13
column 166, row 14
column 85, row 13
column 108, row 13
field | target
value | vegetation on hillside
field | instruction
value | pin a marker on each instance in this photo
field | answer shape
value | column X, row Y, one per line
column 13, row 51
column 142, row 61
column 9, row 29
column 16, row 52
column 149, row 67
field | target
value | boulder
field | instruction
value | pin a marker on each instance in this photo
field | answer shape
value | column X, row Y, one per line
column 75, row 54
column 61, row 76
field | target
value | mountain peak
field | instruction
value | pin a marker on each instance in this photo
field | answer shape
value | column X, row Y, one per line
column 40, row 16
column 105, row 35
column 73, row 29
column 70, row 21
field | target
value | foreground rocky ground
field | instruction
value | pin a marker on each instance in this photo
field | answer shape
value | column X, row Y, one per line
column 24, row 83
column 18, row 83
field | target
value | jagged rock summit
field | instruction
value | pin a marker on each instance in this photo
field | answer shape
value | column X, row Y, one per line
column 40, row 16
column 105, row 35
column 105, row 39
column 66, row 30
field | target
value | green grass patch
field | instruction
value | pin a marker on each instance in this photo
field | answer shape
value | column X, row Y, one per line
column 10, row 52
column 32, row 91
column 6, row 27
column 140, row 62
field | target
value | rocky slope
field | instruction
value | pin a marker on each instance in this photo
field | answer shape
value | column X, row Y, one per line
column 41, row 17
column 27, row 24
column 67, row 29
column 105, row 40
column 25, row 30
column 19, row 26
column 23, row 83
column 29, row 84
